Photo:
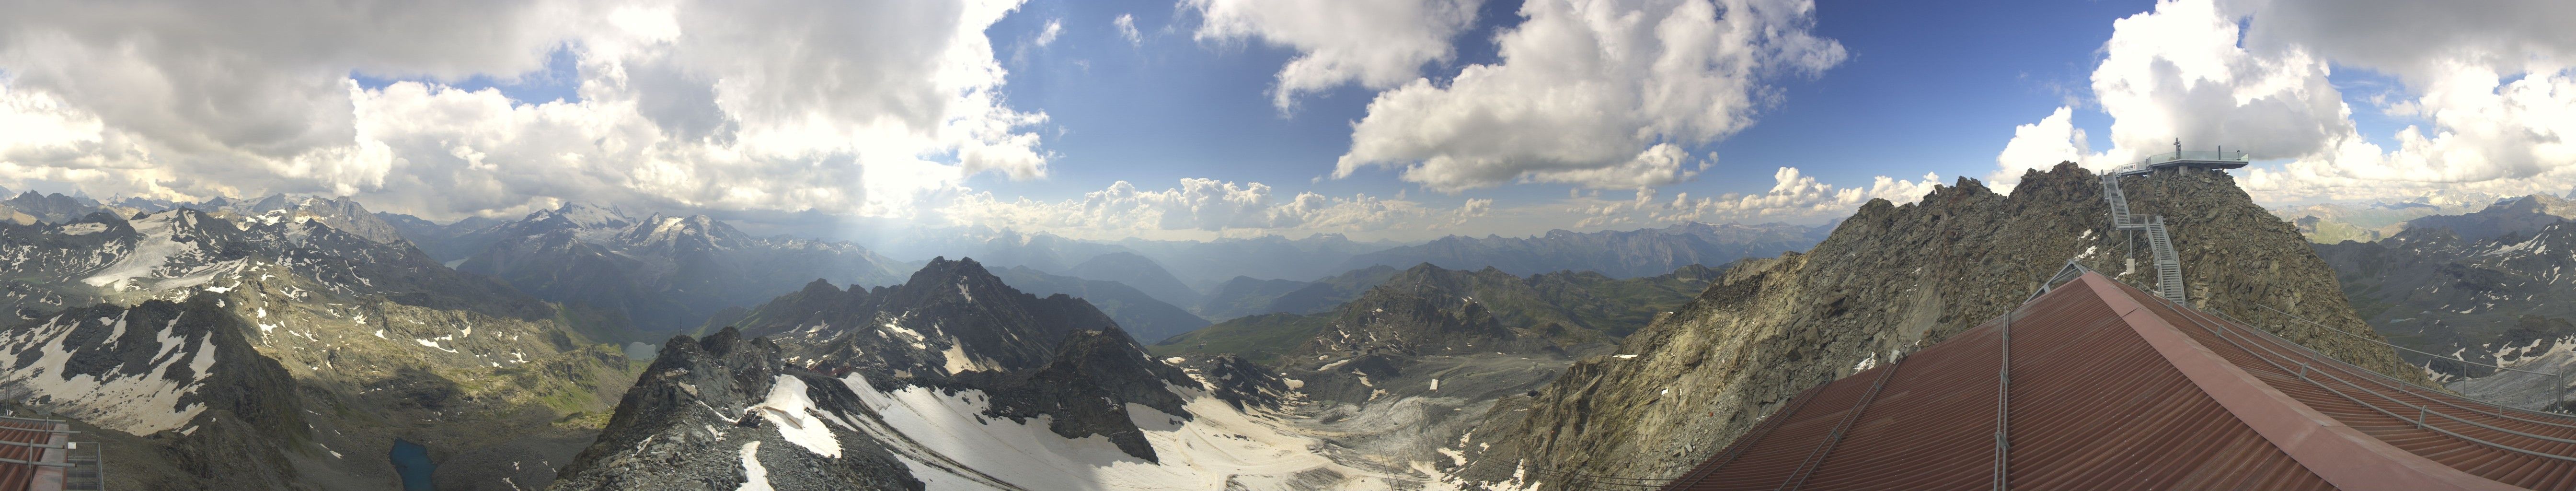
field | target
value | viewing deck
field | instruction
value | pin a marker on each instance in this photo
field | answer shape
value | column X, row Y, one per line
column 2191, row 159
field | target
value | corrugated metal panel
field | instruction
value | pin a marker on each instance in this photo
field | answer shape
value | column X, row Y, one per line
column 2097, row 408
column 2092, row 408
column 2115, row 388
column 2519, row 448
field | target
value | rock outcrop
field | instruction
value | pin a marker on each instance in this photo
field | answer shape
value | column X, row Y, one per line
column 1085, row 390
column 1890, row 280
column 726, row 412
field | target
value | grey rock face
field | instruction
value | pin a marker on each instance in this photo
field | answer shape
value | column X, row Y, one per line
column 951, row 317
column 1086, row 389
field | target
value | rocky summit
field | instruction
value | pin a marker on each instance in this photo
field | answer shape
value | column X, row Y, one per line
column 1893, row 279
column 719, row 412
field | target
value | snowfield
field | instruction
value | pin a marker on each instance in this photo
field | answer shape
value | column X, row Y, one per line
column 949, row 446
column 140, row 403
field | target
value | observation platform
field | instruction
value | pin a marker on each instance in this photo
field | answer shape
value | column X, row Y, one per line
column 2186, row 160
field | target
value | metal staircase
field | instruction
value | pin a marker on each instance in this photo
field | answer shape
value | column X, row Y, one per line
column 2159, row 242
column 2168, row 264
column 2120, row 219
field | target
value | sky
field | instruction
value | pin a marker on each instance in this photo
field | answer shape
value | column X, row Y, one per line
column 1203, row 119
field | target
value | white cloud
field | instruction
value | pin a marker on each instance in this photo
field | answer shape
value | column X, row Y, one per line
column 1054, row 27
column 777, row 105
column 1126, row 24
column 1374, row 43
column 1795, row 195
column 1597, row 93
column 2492, row 89
column 1196, row 208
column 2042, row 145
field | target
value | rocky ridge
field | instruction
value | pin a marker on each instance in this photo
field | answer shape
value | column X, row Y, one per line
column 726, row 412
column 1890, row 280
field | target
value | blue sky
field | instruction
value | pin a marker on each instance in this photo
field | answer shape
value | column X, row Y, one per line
column 1930, row 87
column 1616, row 113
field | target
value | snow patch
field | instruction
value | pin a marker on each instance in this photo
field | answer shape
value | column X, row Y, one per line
column 84, row 228
column 946, row 443
column 787, row 409
column 960, row 362
column 754, row 477
column 139, row 402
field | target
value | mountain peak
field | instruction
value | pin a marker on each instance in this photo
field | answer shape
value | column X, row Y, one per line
column 818, row 286
column 583, row 215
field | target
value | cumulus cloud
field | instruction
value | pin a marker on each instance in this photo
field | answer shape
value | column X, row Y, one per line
column 1195, row 208
column 1374, row 43
column 1054, row 27
column 1596, row 93
column 1126, row 24
column 1794, row 195
column 2491, row 90
column 778, row 105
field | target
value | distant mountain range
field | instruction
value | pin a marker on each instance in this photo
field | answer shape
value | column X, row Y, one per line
column 1143, row 316
column 2453, row 283
column 950, row 377
column 1428, row 309
column 1244, row 295
column 1620, row 254
column 2365, row 222
column 660, row 273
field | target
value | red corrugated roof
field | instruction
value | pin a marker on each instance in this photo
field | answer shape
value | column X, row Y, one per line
column 2111, row 387
column 23, row 442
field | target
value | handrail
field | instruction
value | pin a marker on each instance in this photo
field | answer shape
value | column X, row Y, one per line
column 1736, row 448
column 26, row 462
column 2201, row 155
column 2003, row 404
column 1817, row 457
column 2385, row 343
column 2406, row 384
column 2302, row 375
